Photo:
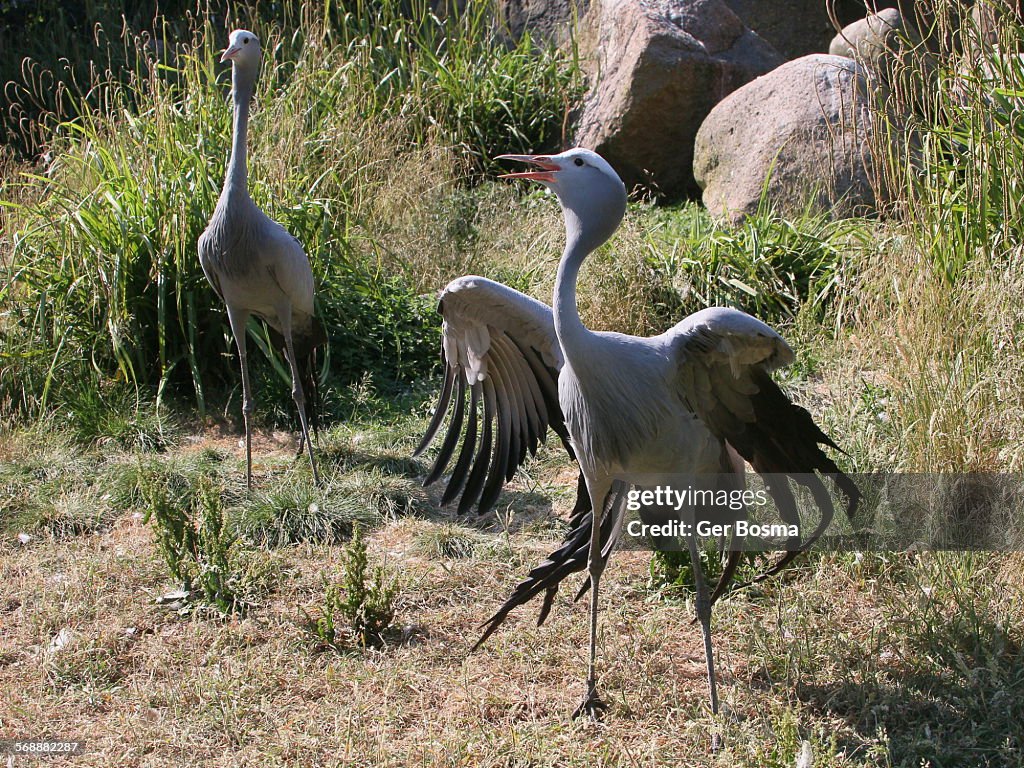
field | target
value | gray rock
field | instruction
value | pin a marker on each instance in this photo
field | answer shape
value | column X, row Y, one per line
column 878, row 42
column 799, row 27
column 657, row 67
column 805, row 128
column 548, row 20
column 795, row 27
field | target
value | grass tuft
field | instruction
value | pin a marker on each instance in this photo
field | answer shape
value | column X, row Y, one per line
column 297, row 512
column 360, row 610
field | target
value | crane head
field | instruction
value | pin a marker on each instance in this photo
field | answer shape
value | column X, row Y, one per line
column 243, row 48
column 572, row 167
column 588, row 188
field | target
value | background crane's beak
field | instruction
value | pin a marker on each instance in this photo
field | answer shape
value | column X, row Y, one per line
column 547, row 168
column 229, row 53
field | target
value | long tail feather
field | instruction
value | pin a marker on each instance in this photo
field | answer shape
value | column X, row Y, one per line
column 568, row 559
column 306, row 348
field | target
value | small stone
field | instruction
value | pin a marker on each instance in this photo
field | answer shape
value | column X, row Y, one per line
column 806, row 757
column 61, row 641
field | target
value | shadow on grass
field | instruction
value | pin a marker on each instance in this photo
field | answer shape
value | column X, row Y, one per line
column 514, row 511
column 942, row 682
column 341, row 459
column 940, row 718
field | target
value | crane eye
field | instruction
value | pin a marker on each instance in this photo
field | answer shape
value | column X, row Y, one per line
column 578, row 161
column 246, row 41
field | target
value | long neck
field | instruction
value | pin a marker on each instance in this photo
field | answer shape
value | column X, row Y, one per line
column 243, row 84
column 568, row 326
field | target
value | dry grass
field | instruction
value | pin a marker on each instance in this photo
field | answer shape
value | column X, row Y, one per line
column 926, row 376
column 830, row 655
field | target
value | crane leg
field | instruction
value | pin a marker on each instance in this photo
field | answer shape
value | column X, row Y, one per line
column 592, row 704
column 239, row 319
column 703, row 604
column 297, row 394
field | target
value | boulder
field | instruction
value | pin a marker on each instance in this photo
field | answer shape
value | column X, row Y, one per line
column 799, row 27
column 656, row 68
column 878, row 42
column 548, row 20
column 795, row 27
column 802, row 131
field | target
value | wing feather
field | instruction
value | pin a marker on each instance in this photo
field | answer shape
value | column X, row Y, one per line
column 502, row 344
column 461, row 471
column 450, row 374
column 724, row 357
column 513, row 413
column 475, row 483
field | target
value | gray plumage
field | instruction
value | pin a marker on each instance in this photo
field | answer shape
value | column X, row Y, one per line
column 695, row 400
column 255, row 265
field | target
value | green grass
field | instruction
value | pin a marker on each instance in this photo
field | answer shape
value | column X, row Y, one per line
column 291, row 513
column 101, row 278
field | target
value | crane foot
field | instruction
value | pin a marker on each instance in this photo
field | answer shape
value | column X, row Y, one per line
column 592, row 706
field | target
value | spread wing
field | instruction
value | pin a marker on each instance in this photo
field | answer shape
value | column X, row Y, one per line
column 499, row 344
column 723, row 360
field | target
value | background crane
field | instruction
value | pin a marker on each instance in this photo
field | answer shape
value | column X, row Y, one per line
column 256, row 267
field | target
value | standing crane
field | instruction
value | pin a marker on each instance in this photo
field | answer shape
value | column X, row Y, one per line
column 257, row 267
column 695, row 400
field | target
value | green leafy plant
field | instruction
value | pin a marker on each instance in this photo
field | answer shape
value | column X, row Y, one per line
column 672, row 570
column 194, row 540
column 359, row 610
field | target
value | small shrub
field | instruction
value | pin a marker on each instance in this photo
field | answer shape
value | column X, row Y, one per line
column 361, row 608
column 194, row 540
column 368, row 603
column 672, row 570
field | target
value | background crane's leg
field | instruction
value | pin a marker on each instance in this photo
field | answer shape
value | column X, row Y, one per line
column 239, row 318
column 592, row 704
column 284, row 316
column 703, row 600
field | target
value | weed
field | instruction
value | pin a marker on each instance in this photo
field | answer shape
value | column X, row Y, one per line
column 361, row 608
column 194, row 541
column 671, row 571
column 368, row 603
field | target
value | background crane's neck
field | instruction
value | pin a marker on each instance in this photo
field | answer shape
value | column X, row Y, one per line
column 243, row 85
column 568, row 326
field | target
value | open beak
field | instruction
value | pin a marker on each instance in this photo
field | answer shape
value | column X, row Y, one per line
column 230, row 53
column 547, row 168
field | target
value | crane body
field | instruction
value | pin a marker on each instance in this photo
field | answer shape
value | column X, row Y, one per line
column 695, row 400
column 256, row 266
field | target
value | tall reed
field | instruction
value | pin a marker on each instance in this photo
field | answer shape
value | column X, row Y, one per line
column 100, row 277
